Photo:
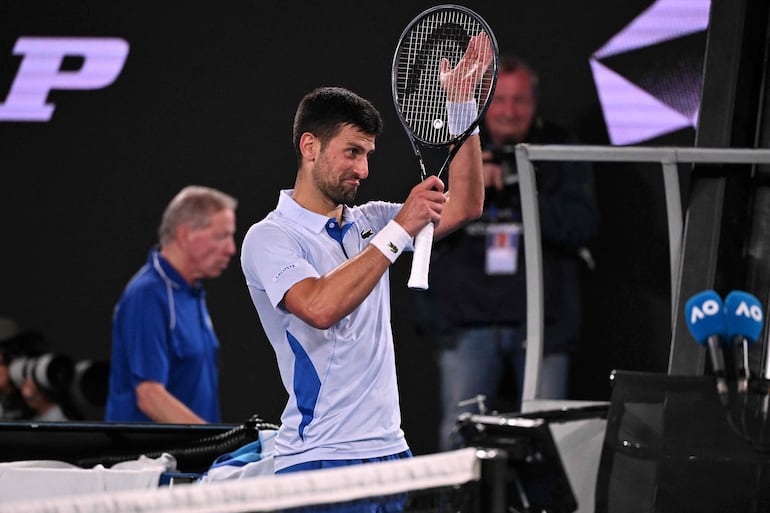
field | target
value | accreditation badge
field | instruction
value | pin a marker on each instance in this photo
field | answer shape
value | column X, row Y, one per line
column 502, row 248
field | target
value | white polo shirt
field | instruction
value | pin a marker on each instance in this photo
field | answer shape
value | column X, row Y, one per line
column 343, row 396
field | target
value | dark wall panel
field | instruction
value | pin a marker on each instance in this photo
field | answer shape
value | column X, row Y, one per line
column 207, row 96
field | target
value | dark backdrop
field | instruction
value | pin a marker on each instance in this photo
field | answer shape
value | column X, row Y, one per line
column 207, row 96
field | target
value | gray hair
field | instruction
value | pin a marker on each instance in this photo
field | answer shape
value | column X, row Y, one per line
column 193, row 205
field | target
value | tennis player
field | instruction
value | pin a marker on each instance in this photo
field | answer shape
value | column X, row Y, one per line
column 317, row 272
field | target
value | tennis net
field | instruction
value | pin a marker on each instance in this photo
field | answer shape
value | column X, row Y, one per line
column 444, row 482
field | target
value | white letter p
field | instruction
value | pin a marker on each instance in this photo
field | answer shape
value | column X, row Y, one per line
column 40, row 72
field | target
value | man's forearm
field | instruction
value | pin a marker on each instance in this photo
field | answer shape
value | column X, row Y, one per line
column 159, row 405
column 466, row 188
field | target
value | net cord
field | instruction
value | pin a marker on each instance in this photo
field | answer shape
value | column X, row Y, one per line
column 268, row 493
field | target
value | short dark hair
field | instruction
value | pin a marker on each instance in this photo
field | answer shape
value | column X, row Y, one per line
column 325, row 110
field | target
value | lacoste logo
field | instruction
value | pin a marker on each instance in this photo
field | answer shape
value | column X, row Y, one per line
column 392, row 247
column 365, row 234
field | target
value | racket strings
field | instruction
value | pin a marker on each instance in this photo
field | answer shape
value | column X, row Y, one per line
column 444, row 34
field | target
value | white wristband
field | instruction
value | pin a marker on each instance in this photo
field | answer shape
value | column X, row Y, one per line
column 391, row 240
column 460, row 115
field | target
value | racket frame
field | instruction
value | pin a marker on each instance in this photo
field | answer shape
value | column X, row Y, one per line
column 423, row 242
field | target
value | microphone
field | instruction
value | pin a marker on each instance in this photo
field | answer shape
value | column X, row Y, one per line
column 743, row 327
column 706, row 321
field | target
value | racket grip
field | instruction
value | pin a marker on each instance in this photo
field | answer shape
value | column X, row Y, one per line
column 423, row 243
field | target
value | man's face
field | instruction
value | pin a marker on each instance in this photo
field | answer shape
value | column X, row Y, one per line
column 342, row 163
column 32, row 395
column 210, row 248
column 512, row 109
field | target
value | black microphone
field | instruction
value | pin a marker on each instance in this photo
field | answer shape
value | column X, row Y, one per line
column 743, row 327
column 706, row 321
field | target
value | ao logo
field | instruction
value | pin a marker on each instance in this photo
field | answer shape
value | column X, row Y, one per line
column 40, row 72
column 753, row 311
column 708, row 308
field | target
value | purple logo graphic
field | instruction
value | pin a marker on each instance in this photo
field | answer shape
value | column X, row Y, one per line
column 648, row 76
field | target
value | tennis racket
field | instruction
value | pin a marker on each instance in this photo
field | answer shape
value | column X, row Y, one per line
column 421, row 88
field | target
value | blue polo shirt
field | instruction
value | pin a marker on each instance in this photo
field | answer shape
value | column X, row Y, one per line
column 162, row 332
column 343, row 395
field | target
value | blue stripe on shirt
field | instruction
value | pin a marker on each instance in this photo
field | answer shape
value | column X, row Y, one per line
column 307, row 384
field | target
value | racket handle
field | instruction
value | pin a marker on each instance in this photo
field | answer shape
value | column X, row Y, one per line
column 423, row 243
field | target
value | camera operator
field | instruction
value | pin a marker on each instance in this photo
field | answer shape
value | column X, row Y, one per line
column 15, row 343
column 44, row 382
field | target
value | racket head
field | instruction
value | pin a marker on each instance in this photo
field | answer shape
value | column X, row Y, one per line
column 443, row 31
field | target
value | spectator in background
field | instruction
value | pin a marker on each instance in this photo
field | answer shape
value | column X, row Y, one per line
column 477, row 309
column 164, row 359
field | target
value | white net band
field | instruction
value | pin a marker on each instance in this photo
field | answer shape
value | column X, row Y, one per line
column 269, row 493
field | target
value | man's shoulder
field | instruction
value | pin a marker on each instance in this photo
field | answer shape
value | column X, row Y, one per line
column 145, row 294
column 273, row 223
column 144, row 283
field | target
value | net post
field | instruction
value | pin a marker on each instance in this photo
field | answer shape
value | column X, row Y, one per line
column 494, row 468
